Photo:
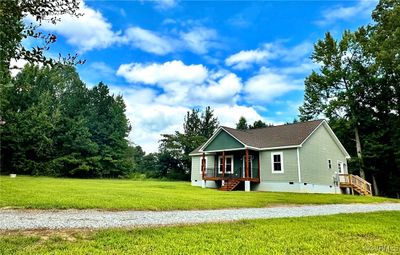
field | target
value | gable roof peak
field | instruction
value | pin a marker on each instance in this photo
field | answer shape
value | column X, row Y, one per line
column 285, row 135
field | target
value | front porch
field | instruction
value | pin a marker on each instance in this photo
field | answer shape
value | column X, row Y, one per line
column 232, row 167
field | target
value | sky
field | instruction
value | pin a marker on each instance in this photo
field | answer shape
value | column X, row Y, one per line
column 242, row 58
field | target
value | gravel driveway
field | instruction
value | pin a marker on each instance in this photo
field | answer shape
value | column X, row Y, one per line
column 64, row 219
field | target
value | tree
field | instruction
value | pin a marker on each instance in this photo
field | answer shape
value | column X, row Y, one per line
column 109, row 127
column 13, row 29
column 208, row 123
column 258, row 124
column 174, row 159
column 357, row 87
column 56, row 126
column 339, row 89
column 242, row 124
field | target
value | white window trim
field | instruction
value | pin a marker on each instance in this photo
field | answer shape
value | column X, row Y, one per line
column 329, row 168
column 219, row 164
column 251, row 158
column 341, row 166
column 201, row 158
column 272, row 163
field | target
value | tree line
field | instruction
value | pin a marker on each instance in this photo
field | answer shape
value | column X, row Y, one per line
column 52, row 124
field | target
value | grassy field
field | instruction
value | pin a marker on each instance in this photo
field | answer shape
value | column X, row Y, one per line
column 48, row 193
column 374, row 233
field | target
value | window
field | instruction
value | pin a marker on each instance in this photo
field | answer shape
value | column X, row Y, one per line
column 340, row 167
column 277, row 162
column 228, row 164
column 329, row 164
column 201, row 158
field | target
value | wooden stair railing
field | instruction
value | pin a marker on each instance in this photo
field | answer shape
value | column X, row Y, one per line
column 356, row 183
column 230, row 185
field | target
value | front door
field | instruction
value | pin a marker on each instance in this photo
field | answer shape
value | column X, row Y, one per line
column 250, row 166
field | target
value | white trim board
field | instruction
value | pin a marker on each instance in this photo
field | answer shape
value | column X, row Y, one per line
column 280, row 153
column 298, row 164
column 232, row 163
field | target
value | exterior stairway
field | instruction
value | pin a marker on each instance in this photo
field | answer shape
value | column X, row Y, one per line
column 356, row 183
column 230, row 185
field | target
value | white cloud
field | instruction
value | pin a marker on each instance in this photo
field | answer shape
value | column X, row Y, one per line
column 168, row 72
column 362, row 8
column 94, row 31
column 196, row 39
column 200, row 39
column 161, row 94
column 16, row 66
column 147, row 40
column 90, row 31
column 223, row 90
column 166, row 4
column 268, row 85
column 229, row 115
column 269, row 51
column 150, row 118
column 246, row 58
column 304, row 67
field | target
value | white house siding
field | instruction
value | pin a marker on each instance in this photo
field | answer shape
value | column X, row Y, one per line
column 314, row 157
column 196, row 171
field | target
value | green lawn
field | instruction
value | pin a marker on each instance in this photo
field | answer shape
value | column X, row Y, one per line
column 374, row 233
column 47, row 193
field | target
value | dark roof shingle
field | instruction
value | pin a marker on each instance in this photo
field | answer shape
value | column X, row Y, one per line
column 274, row 136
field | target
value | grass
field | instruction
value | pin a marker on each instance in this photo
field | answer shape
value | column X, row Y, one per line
column 373, row 233
column 57, row 193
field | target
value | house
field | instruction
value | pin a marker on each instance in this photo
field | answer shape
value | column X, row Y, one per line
column 299, row 157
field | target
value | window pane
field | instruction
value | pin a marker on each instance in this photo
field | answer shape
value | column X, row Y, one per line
column 229, row 168
column 228, row 160
column 277, row 158
column 277, row 167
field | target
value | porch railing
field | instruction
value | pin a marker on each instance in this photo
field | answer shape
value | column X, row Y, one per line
column 356, row 182
column 237, row 173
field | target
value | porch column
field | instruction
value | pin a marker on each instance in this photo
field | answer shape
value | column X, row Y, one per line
column 247, row 163
column 259, row 168
column 203, row 170
column 223, row 164
column 203, row 167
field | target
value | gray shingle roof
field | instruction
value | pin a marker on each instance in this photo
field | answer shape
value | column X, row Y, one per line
column 274, row 136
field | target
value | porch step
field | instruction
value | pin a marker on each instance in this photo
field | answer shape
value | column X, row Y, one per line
column 230, row 185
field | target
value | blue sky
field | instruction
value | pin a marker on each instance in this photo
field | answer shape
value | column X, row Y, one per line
column 243, row 58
